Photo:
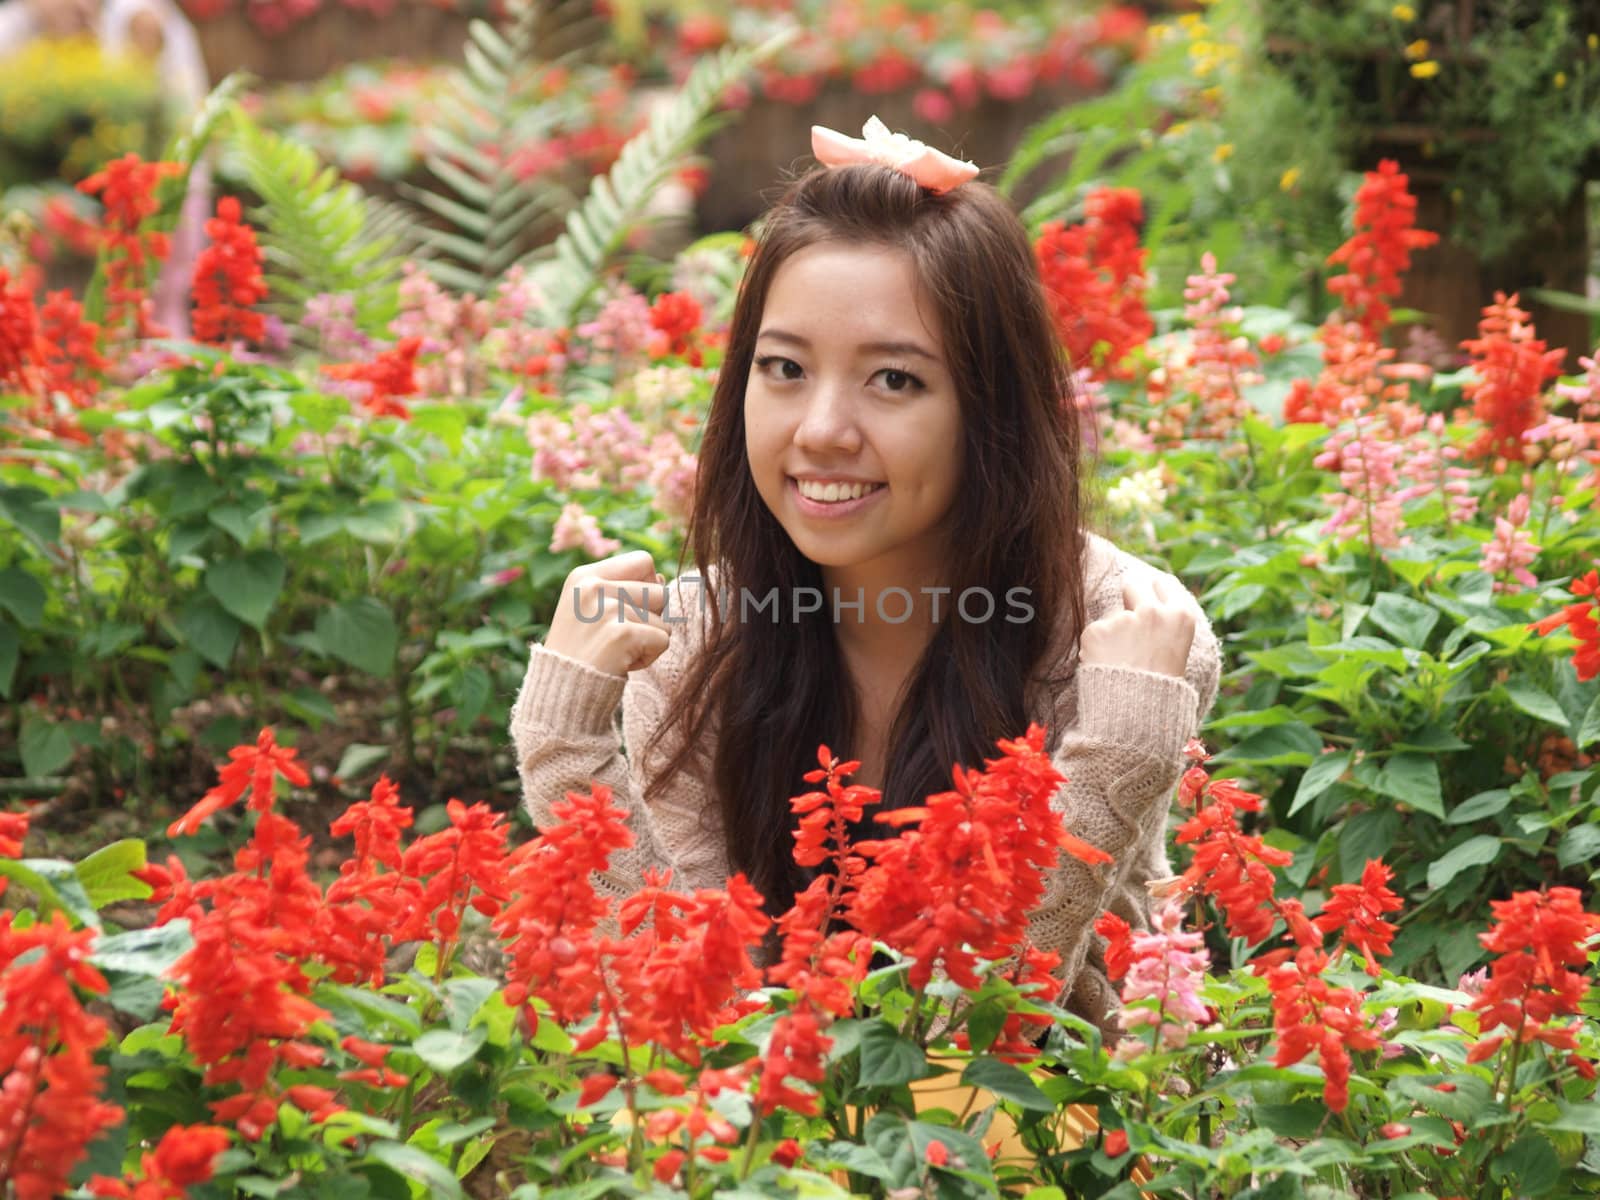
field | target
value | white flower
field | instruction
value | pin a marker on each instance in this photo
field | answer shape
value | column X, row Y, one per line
column 1140, row 493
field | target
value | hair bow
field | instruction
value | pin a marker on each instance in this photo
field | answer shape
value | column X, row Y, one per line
column 931, row 168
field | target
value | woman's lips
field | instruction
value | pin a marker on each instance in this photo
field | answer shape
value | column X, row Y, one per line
column 831, row 509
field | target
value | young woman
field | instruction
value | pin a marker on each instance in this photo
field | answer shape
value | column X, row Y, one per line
column 889, row 518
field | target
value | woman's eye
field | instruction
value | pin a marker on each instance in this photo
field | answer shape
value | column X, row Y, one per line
column 899, row 381
column 783, row 365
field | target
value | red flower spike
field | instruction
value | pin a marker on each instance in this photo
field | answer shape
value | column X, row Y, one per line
column 1512, row 367
column 1356, row 911
column 1379, row 252
column 390, row 375
column 1094, row 278
column 253, row 768
column 1579, row 620
column 1540, row 939
column 228, row 281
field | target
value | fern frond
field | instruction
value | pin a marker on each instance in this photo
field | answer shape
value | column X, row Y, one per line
column 319, row 233
column 569, row 271
column 483, row 211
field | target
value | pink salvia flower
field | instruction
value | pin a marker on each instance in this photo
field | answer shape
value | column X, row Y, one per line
column 1366, row 459
column 1585, row 394
column 1162, row 986
column 578, row 530
column 1430, row 462
column 1220, row 364
column 622, row 327
column 1506, row 555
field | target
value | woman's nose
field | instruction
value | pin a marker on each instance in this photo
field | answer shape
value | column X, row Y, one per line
column 829, row 421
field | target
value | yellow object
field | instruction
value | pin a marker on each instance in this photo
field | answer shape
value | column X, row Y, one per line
column 1289, row 178
column 1424, row 70
column 1418, row 49
column 1403, row 12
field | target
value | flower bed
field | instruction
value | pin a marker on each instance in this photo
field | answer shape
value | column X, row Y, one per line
column 351, row 525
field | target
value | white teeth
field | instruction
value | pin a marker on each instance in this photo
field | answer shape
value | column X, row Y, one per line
column 830, row 493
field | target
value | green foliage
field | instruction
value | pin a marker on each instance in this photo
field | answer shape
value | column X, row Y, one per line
column 321, row 234
column 487, row 210
column 616, row 203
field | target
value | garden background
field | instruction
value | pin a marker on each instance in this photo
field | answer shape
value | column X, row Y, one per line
column 1325, row 272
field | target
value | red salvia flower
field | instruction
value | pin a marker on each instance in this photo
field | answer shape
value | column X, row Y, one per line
column 1512, row 367
column 1579, row 620
column 127, row 190
column 1355, row 911
column 682, row 960
column 50, row 1106
column 1310, row 1017
column 373, row 897
column 960, row 886
column 462, row 865
column 70, row 363
column 183, row 1158
column 21, row 346
column 390, row 375
column 1232, row 867
column 253, row 768
column 1541, row 941
column 549, row 923
column 228, row 281
column 1094, row 279
column 1379, row 252
column 797, row 1050
column 1119, row 944
column 676, row 317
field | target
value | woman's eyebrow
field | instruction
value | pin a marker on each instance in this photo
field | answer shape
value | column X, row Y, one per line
column 795, row 339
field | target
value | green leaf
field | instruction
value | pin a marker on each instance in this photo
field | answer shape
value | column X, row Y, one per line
column 359, row 758
column 445, row 1050
column 383, row 523
column 247, row 587
column 1322, row 774
column 418, row 1166
column 148, row 952
column 1536, row 702
column 33, row 512
column 360, row 632
column 209, row 629
column 10, row 655
column 107, row 874
column 1530, row 1165
column 1588, row 729
column 1413, row 778
column 1007, row 1082
column 1407, row 621
column 55, row 884
column 1580, row 844
column 1477, row 808
column 1474, row 852
column 46, row 747
column 1291, row 744
column 23, row 595
column 887, row 1059
column 1577, row 1118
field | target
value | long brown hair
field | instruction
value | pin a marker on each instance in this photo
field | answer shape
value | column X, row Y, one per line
column 774, row 690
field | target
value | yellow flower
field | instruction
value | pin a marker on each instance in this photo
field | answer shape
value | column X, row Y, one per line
column 1424, row 70
column 1560, row 80
column 1223, row 152
column 1594, row 41
column 1418, row 49
column 1289, row 178
column 1403, row 12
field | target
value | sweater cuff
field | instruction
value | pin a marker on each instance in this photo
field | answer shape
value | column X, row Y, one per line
column 1141, row 710
column 564, row 695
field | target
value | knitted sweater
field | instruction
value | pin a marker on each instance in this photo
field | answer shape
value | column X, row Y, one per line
column 1116, row 733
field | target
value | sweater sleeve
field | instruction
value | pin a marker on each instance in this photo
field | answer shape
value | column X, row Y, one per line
column 1122, row 758
column 564, row 728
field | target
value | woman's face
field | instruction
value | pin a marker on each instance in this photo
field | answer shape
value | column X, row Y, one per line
column 852, row 424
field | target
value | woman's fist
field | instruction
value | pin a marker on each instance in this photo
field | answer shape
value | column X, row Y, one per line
column 610, row 614
column 1151, row 633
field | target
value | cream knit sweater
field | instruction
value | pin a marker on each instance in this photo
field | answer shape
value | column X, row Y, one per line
column 1116, row 733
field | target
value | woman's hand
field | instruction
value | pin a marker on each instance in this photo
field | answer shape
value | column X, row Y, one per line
column 1151, row 633
column 610, row 614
